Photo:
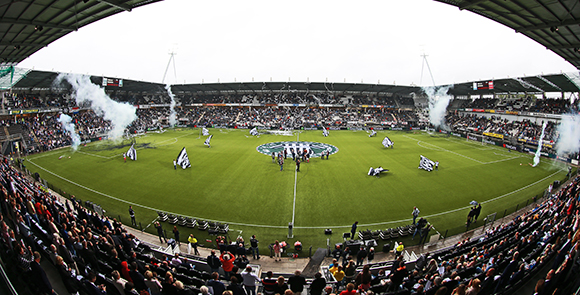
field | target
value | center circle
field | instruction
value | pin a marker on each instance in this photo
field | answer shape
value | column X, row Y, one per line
column 314, row 148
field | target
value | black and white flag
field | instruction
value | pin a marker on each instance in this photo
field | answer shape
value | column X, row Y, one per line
column 254, row 132
column 324, row 132
column 426, row 164
column 183, row 159
column 132, row 153
column 207, row 141
column 373, row 133
column 377, row 171
column 204, row 131
column 387, row 142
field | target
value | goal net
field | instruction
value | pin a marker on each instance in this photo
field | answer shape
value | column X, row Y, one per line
column 476, row 137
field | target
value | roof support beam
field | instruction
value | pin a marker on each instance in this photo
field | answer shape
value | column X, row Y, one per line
column 4, row 43
column 569, row 22
column 114, row 4
column 575, row 45
column 30, row 23
column 469, row 5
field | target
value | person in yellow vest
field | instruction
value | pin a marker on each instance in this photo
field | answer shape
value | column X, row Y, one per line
column 338, row 275
column 399, row 249
column 192, row 244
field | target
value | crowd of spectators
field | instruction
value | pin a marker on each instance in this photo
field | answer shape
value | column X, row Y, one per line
column 524, row 130
column 65, row 100
column 527, row 103
column 44, row 132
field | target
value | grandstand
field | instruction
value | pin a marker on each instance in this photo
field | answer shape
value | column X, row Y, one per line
column 537, row 246
column 31, row 122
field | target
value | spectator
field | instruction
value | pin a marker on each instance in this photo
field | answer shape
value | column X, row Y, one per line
column 213, row 262
column 269, row 283
column 152, row 283
column 249, row 281
column 277, row 251
column 349, row 290
column 235, row 287
column 280, row 286
column 214, row 283
column 227, row 262
column 297, row 283
column 317, row 285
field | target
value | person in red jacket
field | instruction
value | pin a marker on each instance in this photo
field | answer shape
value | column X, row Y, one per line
column 349, row 290
column 227, row 260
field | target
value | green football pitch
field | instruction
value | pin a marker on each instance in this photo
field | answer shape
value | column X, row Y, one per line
column 233, row 183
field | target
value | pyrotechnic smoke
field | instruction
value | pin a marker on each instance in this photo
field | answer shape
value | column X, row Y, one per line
column 569, row 130
column 173, row 114
column 68, row 125
column 438, row 102
column 539, row 150
column 119, row 114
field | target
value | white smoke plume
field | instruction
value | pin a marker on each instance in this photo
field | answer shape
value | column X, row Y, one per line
column 569, row 134
column 173, row 114
column 438, row 102
column 119, row 114
column 539, row 150
column 66, row 122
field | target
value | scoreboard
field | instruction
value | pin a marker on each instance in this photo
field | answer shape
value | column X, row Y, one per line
column 114, row 82
column 483, row 85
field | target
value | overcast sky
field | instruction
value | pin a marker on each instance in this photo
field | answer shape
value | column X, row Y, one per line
column 316, row 41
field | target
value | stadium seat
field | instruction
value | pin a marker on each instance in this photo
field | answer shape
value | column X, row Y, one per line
column 172, row 219
column 203, row 225
column 181, row 220
column 162, row 216
column 191, row 223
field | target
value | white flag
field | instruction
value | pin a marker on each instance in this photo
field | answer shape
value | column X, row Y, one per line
column 183, row 159
column 207, row 141
column 132, row 153
column 387, row 142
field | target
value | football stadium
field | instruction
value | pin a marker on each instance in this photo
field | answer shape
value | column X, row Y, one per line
column 112, row 185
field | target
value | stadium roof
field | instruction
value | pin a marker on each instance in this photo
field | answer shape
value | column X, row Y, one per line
column 568, row 82
column 26, row 26
column 553, row 23
column 42, row 80
column 295, row 86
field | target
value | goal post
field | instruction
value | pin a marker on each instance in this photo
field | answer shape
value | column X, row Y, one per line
column 475, row 137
